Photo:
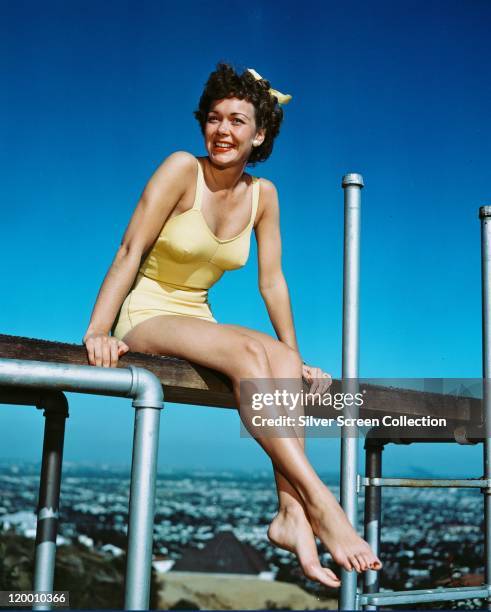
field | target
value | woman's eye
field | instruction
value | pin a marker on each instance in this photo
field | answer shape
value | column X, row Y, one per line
column 238, row 121
column 210, row 119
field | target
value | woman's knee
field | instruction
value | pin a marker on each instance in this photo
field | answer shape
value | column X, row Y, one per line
column 287, row 362
column 250, row 359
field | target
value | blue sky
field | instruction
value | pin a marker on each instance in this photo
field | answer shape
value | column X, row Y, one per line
column 96, row 95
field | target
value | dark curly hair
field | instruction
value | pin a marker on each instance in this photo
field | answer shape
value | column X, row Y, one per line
column 225, row 82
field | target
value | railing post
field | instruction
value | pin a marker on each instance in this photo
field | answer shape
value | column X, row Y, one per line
column 485, row 216
column 142, row 504
column 55, row 407
column 55, row 413
column 373, row 510
column 352, row 185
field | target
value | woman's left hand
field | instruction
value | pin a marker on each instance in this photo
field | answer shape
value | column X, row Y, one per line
column 319, row 380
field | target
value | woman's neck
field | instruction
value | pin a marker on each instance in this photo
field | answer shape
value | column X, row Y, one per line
column 222, row 179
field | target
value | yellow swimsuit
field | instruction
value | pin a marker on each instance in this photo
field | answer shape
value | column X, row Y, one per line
column 185, row 261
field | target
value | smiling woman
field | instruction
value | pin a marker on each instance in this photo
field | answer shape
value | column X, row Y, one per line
column 267, row 114
column 194, row 222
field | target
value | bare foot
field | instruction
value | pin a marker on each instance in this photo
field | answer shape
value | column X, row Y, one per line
column 331, row 525
column 291, row 530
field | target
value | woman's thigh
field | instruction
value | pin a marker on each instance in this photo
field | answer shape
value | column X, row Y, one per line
column 285, row 362
column 209, row 344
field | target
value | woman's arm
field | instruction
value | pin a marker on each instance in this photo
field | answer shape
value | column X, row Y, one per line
column 272, row 283
column 158, row 199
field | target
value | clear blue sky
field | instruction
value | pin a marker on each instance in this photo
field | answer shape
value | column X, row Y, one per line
column 94, row 95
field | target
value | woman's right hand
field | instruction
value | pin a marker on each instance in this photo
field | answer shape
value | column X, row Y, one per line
column 103, row 350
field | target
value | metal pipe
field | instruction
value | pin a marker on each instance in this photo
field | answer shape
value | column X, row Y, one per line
column 485, row 217
column 64, row 377
column 462, row 434
column 138, row 383
column 467, row 483
column 352, row 185
column 146, row 391
column 373, row 510
column 395, row 598
column 55, row 413
column 55, row 407
column 142, row 508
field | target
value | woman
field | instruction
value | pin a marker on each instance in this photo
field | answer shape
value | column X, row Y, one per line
column 192, row 223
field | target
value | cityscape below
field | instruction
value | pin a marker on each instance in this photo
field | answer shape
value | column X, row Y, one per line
column 429, row 538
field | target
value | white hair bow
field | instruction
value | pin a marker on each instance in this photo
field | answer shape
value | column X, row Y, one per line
column 282, row 98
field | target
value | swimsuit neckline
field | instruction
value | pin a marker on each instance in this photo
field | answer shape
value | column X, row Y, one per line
column 197, row 205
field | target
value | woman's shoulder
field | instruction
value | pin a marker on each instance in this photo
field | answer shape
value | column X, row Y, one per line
column 180, row 160
column 179, row 166
column 267, row 187
column 268, row 193
column 268, row 199
column 176, row 172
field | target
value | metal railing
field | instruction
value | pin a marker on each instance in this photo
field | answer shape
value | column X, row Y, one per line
column 351, row 482
column 352, row 185
column 42, row 384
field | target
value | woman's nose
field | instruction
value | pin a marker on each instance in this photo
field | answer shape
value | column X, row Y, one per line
column 223, row 127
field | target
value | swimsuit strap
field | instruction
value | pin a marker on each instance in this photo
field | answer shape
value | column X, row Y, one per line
column 200, row 181
column 255, row 199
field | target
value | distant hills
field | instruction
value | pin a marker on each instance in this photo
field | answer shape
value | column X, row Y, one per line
column 97, row 582
column 94, row 581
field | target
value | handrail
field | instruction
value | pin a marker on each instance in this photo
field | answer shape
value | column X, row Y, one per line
column 146, row 391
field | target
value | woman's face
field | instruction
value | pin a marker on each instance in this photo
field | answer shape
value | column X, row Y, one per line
column 230, row 131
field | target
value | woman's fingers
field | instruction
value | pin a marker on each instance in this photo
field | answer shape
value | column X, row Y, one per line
column 105, row 351
column 320, row 381
column 311, row 378
column 306, row 373
column 89, row 345
column 114, row 354
column 326, row 382
column 322, row 386
column 98, row 352
column 122, row 348
column 316, row 374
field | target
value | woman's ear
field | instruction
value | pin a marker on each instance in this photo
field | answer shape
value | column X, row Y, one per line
column 259, row 138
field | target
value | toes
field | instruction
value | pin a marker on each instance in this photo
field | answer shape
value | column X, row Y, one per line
column 368, row 560
column 311, row 569
column 331, row 574
column 331, row 578
column 344, row 562
column 372, row 560
column 364, row 565
column 355, row 563
column 376, row 564
column 314, row 571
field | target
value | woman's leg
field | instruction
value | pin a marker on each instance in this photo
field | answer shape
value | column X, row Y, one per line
column 290, row 528
column 286, row 368
column 241, row 357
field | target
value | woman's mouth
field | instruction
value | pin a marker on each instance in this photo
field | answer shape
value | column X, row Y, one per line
column 222, row 146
